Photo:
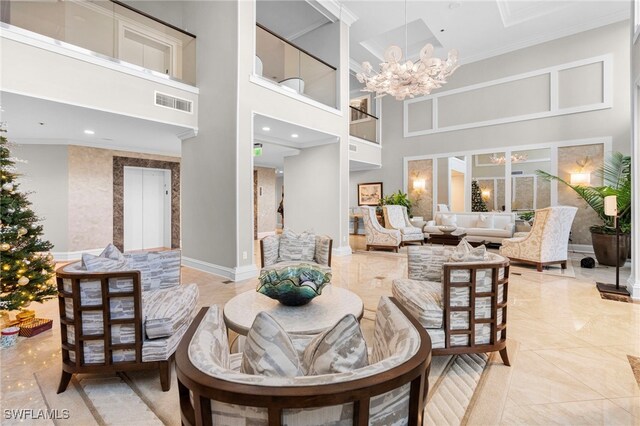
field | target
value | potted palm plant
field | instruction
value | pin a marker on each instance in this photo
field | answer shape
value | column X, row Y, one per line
column 616, row 178
column 397, row 198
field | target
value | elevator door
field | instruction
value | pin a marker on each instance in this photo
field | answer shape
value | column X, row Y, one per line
column 147, row 208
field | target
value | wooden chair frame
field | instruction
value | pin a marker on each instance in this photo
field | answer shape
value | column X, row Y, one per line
column 495, row 344
column 69, row 367
column 276, row 399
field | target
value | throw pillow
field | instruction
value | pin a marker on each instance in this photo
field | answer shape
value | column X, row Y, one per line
column 112, row 252
column 484, row 221
column 111, row 259
column 268, row 350
column 425, row 263
column 449, row 220
column 465, row 252
column 340, row 349
column 295, row 246
column 95, row 263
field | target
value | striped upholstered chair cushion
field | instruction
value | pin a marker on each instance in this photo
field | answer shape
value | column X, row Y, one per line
column 166, row 311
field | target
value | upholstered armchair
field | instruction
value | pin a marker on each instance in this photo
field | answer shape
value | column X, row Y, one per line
column 127, row 319
column 462, row 305
column 392, row 389
column 396, row 217
column 377, row 236
column 547, row 242
column 275, row 251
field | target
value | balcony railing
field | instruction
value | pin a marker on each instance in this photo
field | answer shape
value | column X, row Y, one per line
column 363, row 125
column 110, row 29
column 294, row 68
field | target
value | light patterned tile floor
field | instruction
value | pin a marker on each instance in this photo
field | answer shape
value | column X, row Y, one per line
column 571, row 367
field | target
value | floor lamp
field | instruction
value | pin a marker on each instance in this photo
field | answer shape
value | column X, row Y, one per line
column 611, row 209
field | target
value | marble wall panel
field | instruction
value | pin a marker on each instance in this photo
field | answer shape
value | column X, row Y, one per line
column 421, row 199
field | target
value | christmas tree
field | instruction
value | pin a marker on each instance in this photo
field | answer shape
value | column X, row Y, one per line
column 477, row 203
column 27, row 267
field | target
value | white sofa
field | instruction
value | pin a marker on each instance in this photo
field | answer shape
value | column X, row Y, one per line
column 500, row 226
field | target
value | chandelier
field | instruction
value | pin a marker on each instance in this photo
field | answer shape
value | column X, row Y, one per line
column 409, row 78
column 515, row 158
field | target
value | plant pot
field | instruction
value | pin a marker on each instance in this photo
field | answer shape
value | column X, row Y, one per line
column 604, row 247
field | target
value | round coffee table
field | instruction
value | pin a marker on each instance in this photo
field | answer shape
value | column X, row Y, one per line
column 313, row 318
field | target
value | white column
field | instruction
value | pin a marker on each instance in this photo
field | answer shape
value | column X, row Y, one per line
column 633, row 284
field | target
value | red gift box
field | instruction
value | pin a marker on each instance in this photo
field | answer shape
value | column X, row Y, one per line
column 34, row 326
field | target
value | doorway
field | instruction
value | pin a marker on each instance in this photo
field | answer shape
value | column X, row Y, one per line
column 147, row 208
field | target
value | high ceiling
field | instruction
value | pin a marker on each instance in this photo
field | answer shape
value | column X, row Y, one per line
column 478, row 29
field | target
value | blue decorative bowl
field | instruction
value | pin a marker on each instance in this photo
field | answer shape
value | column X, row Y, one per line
column 293, row 285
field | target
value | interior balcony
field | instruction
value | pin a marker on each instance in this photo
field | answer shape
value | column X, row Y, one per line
column 101, row 55
column 297, row 52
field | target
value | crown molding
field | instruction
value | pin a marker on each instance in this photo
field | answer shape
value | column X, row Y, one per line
column 336, row 9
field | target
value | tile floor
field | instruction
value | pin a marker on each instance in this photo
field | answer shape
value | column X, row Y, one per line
column 571, row 367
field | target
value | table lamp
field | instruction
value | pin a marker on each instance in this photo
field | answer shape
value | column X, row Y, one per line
column 611, row 209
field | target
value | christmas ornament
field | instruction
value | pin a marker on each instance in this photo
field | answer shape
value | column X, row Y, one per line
column 4, row 247
column 7, row 186
column 23, row 281
column 22, row 231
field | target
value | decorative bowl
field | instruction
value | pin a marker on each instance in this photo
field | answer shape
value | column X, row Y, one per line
column 447, row 229
column 293, row 285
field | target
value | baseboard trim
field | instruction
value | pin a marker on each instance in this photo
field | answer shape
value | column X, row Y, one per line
column 341, row 251
column 634, row 288
column 581, row 248
column 234, row 274
column 261, row 235
column 65, row 256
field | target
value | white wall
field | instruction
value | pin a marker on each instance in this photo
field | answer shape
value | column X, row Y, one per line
column 312, row 180
column 258, row 99
column 209, row 187
column 612, row 122
column 46, row 173
column 41, row 73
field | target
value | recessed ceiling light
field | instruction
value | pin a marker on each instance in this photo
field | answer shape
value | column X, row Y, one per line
column 89, row 132
column 266, row 129
column 294, row 135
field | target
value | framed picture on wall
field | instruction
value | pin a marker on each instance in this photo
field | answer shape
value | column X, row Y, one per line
column 360, row 108
column 369, row 194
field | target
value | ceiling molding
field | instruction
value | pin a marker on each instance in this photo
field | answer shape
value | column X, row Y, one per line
column 564, row 32
column 355, row 65
column 537, row 10
column 306, row 30
column 187, row 134
column 336, row 9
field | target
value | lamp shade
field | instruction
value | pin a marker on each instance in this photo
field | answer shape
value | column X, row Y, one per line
column 580, row 178
column 485, row 194
column 611, row 205
column 419, row 184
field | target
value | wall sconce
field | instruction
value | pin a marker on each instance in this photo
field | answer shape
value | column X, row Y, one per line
column 419, row 185
column 485, row 194
column 581, row 178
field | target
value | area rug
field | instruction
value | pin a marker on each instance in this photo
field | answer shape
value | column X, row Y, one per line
column 136, row 397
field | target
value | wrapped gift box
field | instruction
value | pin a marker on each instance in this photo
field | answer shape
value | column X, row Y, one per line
column 34, row 326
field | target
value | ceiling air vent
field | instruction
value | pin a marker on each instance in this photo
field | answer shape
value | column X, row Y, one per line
column 353, row 147
column 168, row 101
